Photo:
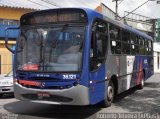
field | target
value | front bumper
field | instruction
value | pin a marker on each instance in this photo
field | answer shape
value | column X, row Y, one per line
column 6, row 89
column 78, row 95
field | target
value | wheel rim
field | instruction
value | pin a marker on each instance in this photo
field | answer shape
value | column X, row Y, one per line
column 110, row 93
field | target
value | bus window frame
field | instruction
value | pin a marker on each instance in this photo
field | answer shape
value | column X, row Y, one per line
column 52, row 26
column 135, row 43
column 125, row 42
column 150, row 48
column 90, row 38
column 119, row 40
column 140, row 38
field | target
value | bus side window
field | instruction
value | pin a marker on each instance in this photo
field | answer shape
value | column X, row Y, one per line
column 115, row 39
column 134, row 45
column 98, row 45
column 125, row 42
column 150, row 47
column 146, row 47
column 115, row 47
column 141, row 46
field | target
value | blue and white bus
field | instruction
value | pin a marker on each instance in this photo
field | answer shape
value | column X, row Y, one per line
column 75, row 56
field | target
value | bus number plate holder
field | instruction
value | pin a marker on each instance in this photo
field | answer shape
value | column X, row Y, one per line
column 43, row 95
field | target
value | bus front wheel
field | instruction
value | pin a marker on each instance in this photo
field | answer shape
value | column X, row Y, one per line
column 109, row 94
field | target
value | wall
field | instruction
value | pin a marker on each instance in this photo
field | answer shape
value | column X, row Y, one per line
column 6, row 56
column 156, row 54
column 12, row 13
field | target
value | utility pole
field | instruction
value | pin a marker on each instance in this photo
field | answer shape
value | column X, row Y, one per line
column 116, row 9
column 158, row 1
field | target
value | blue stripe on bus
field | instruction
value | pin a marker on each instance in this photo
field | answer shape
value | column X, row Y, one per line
column 97, row 90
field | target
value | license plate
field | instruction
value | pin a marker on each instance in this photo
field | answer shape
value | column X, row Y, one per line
column 5, row 89
column 43, row 94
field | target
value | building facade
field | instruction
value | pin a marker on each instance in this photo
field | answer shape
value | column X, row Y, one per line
column 9, row 16
column 157, row 46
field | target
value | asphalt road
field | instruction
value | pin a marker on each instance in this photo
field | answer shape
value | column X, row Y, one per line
column 145, row 102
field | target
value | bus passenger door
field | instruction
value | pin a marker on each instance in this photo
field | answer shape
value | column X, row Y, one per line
column 98, row 48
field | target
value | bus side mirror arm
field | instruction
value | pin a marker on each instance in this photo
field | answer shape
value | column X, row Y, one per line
column 6, row 38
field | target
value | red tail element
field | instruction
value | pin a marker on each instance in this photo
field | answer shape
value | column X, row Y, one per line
column 139, row 73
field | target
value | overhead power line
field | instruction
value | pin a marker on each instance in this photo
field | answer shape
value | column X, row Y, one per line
column 135, row 9
column 51, row 3
column 11, row 3
column 38, row 3
column 120, row 2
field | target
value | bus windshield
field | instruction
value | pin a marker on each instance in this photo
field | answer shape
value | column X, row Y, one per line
column 51, row 49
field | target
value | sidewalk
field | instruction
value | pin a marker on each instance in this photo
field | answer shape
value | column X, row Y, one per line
column 154, row 78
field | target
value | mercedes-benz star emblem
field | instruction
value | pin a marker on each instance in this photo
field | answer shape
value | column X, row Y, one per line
column 43, row 84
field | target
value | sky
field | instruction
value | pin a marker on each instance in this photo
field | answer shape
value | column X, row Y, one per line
column 151, row 9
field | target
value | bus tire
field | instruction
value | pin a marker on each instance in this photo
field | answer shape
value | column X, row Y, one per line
column 109, row 94
column 141, row 85
column 1, row 95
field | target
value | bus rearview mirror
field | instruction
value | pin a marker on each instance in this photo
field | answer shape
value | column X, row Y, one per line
column 8, row 36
